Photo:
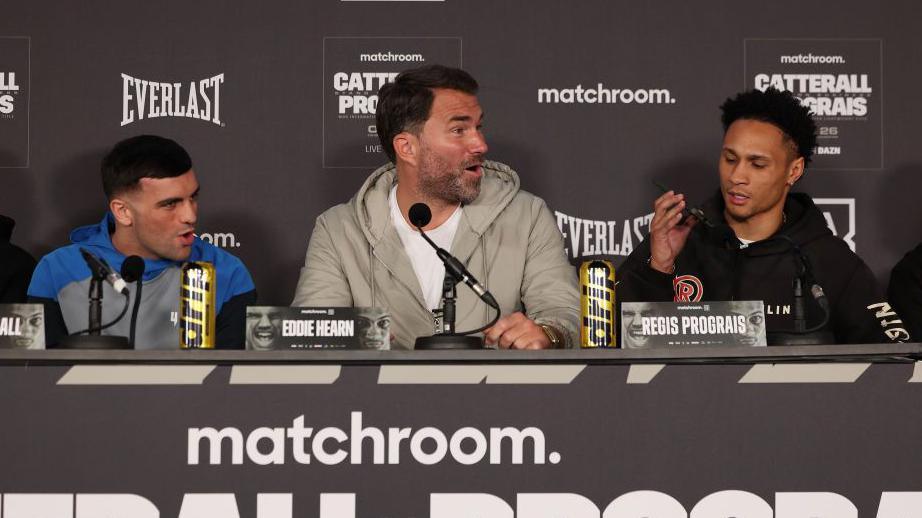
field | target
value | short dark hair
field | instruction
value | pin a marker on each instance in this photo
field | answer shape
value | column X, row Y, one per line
column 404, row 105
column 779, row 108
column 144, row 156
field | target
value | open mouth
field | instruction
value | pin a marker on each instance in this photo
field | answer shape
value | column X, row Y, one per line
column 637, row 334
column 737, row 198
column 475, row 168
column 264, row 335
column 187, row 238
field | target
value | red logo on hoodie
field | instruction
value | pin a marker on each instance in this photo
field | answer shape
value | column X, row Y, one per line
column 687, row 288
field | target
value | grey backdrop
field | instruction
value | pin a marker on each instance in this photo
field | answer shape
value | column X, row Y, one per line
column 283, row 152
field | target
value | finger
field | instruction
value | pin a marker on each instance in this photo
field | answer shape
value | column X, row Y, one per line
column 665, row 201
column 669, row 218
column 513, row 335
column 491, row 334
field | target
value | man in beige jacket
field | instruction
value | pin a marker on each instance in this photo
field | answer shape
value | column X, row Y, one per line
column 366, row 253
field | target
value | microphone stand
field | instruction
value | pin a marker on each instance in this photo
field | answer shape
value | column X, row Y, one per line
column 93, row 339
column 801, row 335
column 447, row 339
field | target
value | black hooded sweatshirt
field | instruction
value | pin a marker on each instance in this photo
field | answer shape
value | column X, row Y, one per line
column 905, row 290
column 16, row 266
column 713, row 267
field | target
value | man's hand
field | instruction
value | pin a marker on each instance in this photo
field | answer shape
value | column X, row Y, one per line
column 516, row 331
column 667, row 236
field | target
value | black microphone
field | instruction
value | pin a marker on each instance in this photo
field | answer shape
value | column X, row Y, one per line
column 133, row 270
column 804, row 281
column 102, row 270
column 420, row 216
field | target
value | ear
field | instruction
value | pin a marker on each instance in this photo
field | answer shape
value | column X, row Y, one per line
column 795, row 171
column 122, row 211
column 406, row 147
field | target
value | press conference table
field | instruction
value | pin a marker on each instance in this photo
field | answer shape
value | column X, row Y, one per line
column 802, row 431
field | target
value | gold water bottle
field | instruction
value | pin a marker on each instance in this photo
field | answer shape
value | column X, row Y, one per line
column 197, row 306
column 597, row 304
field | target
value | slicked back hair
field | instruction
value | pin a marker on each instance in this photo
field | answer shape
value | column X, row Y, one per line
column 405, row 104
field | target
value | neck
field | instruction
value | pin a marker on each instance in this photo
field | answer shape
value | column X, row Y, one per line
column 126, row 244
column 408, row 194
column 759, row 226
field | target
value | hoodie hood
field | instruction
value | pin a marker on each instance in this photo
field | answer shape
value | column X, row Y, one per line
column 804, row 223
column 498, row 187
column 98, row 240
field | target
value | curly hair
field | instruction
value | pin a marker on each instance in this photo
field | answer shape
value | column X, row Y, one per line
column 779, row 108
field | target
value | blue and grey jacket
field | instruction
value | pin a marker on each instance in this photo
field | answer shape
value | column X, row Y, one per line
column 62, row 278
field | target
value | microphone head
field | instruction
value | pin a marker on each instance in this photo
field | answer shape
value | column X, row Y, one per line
column 420, row 215
column 132, row 268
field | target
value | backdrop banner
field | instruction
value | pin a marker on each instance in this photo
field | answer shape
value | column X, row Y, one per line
column 588, row 102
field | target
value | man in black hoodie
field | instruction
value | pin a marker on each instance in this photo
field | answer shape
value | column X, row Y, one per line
column 16, row 265
column 754, row 237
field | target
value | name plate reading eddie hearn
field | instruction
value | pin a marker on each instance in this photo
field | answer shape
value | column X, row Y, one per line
column 273, row 327
column 670, row 324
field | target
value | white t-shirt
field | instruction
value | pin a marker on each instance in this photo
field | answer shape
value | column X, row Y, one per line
column 428, row 267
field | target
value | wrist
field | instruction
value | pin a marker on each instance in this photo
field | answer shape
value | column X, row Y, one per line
column 668, row 269
column 553, row 335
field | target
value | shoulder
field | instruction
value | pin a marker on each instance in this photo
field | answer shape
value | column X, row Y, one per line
column 232, row 273
column 910, row 264
column 57, row 269
column 221, row 258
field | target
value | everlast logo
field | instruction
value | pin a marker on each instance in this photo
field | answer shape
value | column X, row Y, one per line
column 151, row 99
column 7, row 85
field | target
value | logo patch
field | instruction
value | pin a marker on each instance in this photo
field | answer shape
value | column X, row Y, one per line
column 687, row 288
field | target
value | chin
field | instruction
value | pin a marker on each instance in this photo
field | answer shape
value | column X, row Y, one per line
column 181, row 255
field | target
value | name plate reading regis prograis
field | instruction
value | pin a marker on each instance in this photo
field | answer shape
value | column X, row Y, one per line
column 284, row 328
column 670, row 324
column 22, row 326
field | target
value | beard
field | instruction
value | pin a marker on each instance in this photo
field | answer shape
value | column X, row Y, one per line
column 440, row 180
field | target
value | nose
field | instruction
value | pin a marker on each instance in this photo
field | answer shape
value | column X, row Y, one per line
column 189, row 212
column 739, row 174
column 478, row 145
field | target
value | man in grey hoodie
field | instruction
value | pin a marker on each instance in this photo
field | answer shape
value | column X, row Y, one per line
column 366, row 252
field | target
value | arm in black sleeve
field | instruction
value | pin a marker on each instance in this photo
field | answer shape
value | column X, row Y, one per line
column 231, row 322
column 639, row 282
column 863, row 315
column 905, row 291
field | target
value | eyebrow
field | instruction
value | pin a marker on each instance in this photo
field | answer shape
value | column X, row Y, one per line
column 465, row 118
column 751, row 156
column 163, row 203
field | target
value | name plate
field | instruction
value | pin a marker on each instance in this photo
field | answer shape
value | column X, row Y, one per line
column 671, row 324
column 22, row 326
column 284, row 328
